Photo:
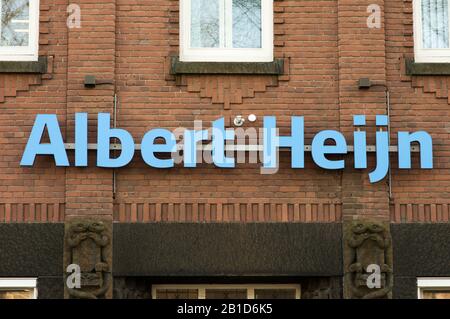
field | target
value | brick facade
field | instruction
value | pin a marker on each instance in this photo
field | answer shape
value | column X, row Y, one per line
column 327, row 48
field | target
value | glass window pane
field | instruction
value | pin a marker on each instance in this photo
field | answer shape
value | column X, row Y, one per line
column 436, row 294
column 176, row 294
column 15, row 22
column 274, row 293
column 435, row 24
column 247, row 24
column 226, row 293
column 17, row 294
column 205, row 24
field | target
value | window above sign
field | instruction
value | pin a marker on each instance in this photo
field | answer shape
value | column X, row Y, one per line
column 431, row 31
column 226, row 30
column 19, row 30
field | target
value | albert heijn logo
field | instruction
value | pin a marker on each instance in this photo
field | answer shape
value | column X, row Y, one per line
column 183, row 145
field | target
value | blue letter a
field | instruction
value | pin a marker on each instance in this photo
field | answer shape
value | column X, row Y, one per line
column 55, row 147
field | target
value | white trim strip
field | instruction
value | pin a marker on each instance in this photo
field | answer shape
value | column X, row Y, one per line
column 433, row 282
column 18, row 282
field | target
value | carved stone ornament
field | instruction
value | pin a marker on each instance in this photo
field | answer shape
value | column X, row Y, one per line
column 367, row 260
column 88, row 245
column 132, row 288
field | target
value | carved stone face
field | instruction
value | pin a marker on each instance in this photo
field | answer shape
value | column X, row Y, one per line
column 80, row 227
column 96, row 227
column 368, row 228
column 368, row 243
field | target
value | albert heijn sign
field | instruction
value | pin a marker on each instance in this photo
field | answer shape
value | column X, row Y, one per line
column 158, row 141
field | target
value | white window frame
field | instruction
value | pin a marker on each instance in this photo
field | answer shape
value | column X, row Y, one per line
column 421, row 54
column 250, row 288
column 432, row 283
column 263, row 54
column 29, row 53
column 19, row 283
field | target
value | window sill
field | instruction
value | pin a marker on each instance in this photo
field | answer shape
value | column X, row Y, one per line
column 413, row 68
column 269, row 68
column 39, row 66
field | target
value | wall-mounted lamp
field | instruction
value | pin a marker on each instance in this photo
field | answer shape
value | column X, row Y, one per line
column 364, row 83
column 91, row 82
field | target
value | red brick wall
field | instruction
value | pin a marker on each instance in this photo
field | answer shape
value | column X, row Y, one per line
column 327, row 47
column 91, row 51
column 361, row 55
column 418, row 103
column 35, row 194
column 306, row 34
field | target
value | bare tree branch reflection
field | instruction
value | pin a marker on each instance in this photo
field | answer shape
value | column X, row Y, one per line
column 11, row 34
column 247, row 23
column 246, row 27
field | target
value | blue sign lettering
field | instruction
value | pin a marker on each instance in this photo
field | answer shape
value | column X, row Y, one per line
column 325, row 147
